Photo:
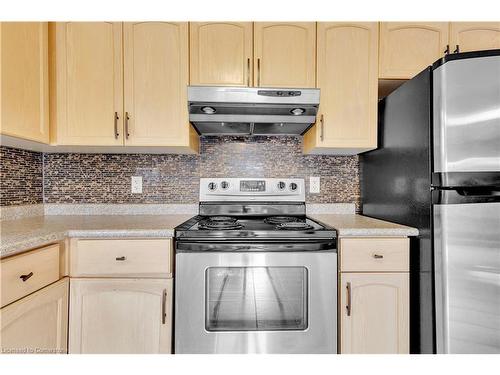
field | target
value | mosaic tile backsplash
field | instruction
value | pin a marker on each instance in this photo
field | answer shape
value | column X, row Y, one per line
column 21, row 177
column 168, row 178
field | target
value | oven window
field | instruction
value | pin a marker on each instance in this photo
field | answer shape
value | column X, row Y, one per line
column 256, row 298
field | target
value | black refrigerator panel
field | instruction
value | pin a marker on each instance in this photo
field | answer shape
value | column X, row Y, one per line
column 395, row 186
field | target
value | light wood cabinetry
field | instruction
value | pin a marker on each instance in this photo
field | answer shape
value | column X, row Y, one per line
column 221, row 53
column 25, row 273
column 407, row 48
column 24, row 85
column 116, row 84
column 121, row 258
column 120, row 316
column 86, row 83
column 374, row 295
column 37, row 323
column 347, row 61
column 156, row 75
column 375, row 255
column 284, row 54
column 374, row 313
column 474, row 36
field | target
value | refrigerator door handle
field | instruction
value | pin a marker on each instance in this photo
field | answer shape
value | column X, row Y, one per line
column 483, row 191
column 466, row 195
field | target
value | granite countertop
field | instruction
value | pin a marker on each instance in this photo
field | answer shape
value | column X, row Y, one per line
column 359, row 225
column 22, row 234
column 19, row 235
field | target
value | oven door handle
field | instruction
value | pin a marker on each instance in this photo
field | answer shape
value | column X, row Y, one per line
column 215, row 246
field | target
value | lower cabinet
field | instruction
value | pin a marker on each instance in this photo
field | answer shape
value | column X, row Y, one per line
column 36, row 323
column 374, row 313
column 120, row 316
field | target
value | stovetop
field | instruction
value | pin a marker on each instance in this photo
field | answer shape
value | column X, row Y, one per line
column 268, row 227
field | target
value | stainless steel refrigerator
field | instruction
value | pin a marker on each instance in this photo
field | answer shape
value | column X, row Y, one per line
column 437, row 168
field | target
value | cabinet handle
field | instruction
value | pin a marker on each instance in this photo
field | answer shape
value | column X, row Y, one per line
column 322, row 128
column 26, row 277
column 378, row 256
column 348, row 305
column 116, row 125
column 258, row 72
column 121, row 258
column 447, row 50
column 457, row 49
column 248, row 72
column 164, row 307
column 127, row 117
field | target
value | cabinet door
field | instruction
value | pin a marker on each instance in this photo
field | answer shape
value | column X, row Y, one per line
column 284, row 54
column 221, row 53
column 374, row 313
column 407, row 48
column 37, row 323
column 156, row 76
column 474, row 36
column 24, row 89
column 87, row 83
column 347, row 55
column 120, row 316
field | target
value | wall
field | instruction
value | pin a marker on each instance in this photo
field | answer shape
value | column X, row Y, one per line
column 21, row 177
column 105, row 178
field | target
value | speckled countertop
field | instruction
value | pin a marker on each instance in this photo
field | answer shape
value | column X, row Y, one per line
column 19, row 235
column 359, row 225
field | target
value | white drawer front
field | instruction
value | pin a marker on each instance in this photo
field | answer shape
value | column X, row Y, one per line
column 121, row 258
column 374, row 254
column 26, row 273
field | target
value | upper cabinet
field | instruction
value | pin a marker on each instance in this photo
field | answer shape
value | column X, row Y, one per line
column 284, row 54
column 87, row 83
column 155, row 79
column 347, row 62
column 221, row 53
column 116, row 84
column 262, row 54
column 474, row 36
column 407, row 48
column 24, row 85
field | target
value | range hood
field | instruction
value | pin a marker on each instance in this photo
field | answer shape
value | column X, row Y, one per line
column 249, row 110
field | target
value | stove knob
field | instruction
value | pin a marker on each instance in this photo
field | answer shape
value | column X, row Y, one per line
column 224, row 185
column 212, row 186
column 293, row 186
column 281, row 185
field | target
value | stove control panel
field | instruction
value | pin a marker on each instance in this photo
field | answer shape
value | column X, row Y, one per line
column 252, row 189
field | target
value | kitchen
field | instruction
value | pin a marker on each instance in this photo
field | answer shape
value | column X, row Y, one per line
column 223, row 187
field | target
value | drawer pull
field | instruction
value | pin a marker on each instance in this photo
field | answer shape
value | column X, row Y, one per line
column 26, row 277
column 121, row 258
column 378, row 256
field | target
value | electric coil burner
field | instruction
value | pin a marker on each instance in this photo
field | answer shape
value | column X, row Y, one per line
column 280, row 219
column 253, row 273
column 294, row 225
column 220, row 222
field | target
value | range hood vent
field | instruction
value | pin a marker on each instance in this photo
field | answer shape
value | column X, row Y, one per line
column 252, row 111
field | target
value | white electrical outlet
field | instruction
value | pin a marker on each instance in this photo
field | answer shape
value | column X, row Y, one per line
column 136, row 184
column 314, row 185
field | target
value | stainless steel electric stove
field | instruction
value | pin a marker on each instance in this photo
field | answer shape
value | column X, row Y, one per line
column 254, row 274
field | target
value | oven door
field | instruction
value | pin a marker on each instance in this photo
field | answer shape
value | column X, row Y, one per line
column 245, row 301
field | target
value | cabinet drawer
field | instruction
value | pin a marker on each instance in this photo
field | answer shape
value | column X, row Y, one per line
column 38, row 267
column 374, row 254
column 121, row 258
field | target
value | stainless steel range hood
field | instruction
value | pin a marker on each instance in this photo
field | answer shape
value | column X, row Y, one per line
column 247, row 110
